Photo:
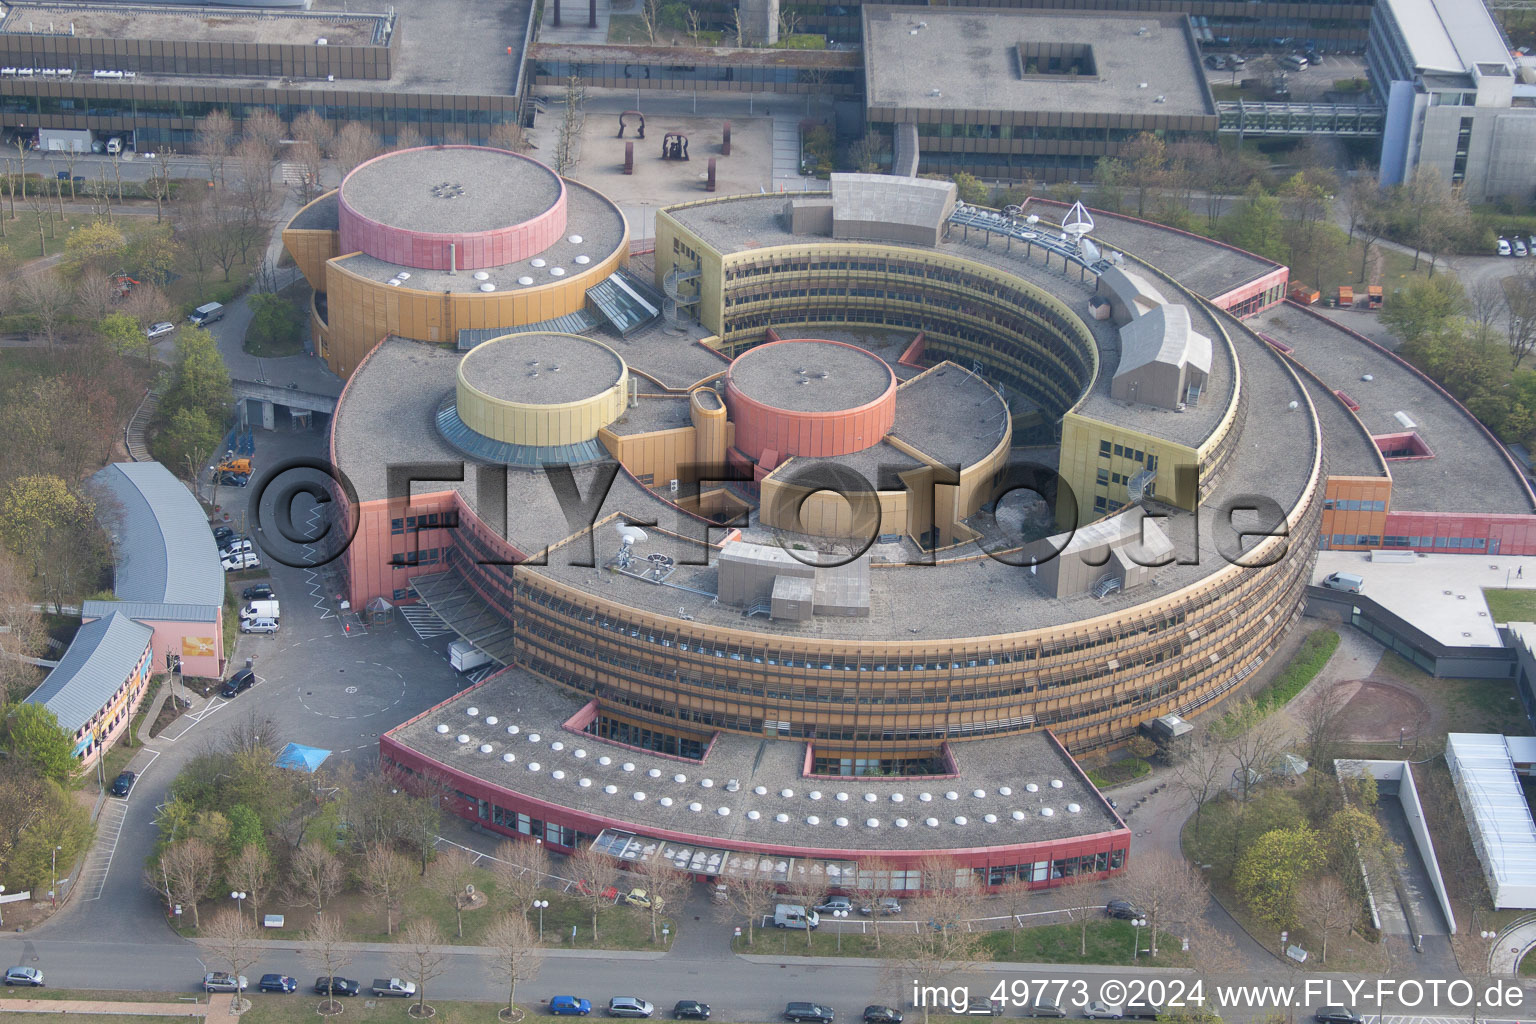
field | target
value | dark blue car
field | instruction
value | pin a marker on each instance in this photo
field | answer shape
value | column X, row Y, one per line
column 277, row 983
column 574, row 1006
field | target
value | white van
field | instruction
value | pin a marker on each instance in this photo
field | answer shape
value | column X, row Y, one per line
column 1345, row 581
column 205, row 315
column 791, row 915
column 1295, row 62
column 264, row 609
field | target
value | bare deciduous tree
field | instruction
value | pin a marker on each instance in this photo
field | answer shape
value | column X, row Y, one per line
column 47, row 296
column 1520, row 313
column 1015, row 894
column 807, row 890
column 420, row 957
column 95, row 296
column 950, row 901
column 1327, row 907
column 386, row 873
column 189, row 867
column 230, row 940
column 355, row 144
column 515, row 953
column 157, row 185
column 1253, row 738
column 667, row 887
column 519, row 869
column 872, row 883
column 750, row 898
column 327, row 951
column 1200, row 773
column 1165, row 888
column 449, row 878
column 314, row 876
column 214, row 139
column 250, row 871
column 596, row 874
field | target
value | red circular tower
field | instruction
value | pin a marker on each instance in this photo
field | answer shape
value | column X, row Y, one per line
column 809, row 397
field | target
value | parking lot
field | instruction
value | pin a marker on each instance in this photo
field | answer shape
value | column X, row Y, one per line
column 1265, row 70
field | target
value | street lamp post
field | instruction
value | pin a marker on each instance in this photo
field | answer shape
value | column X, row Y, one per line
column 53, row 876
column 1138, row 923
column 239, row 898
column 541, row 904
column 2, row 908
column 839, row 914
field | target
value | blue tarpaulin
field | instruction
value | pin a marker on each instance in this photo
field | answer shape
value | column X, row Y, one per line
column 301, row 758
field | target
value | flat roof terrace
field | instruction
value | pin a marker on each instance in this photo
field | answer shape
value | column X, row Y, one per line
column 1469, row 471
column 540, row 368
column 597, row 222
column 452, row 190
column 454, row 48
column 198, row 24
column 989, row 801
column 978, row 61
column 810, row 376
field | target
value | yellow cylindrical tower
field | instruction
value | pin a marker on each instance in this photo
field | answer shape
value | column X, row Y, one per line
column 709, row 422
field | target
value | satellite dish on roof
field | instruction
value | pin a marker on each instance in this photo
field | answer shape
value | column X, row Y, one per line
column 1032, row 219
column 1090, row 251
column 630, row 534
column 1077, row 223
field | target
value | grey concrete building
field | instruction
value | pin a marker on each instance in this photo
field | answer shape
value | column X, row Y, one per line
column 1457, row 101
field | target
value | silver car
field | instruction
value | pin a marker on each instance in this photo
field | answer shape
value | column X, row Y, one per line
column 28, row 976
column 160, row 329
column 1104, row 1011
column 223, row 981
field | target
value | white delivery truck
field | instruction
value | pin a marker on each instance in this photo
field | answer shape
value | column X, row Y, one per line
column 267, row 609
column 464, row 656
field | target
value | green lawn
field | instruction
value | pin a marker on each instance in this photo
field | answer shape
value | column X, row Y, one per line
column 1511, row 605
column 1116, row 773
column 91, row 994
column 300, row 1009
column 1109, row 942
column 1303, row 667
column 619, row 927
column 1528, row 965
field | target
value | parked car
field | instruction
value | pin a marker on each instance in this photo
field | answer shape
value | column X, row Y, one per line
column 223, row 981
column 1097, row 1010
column 799, row 1012
column 885, row 904
column 243, row 560
column 277, row 983
column 160, row 329
column 1141, row 1011
column 1531, row 243
column 690, row 1009
column 1047, row 1008
column 222, row 535
column 1124, row 910
column 881, row 1015
column 238, row 684
column 629, row 1006
column 1336, row 1015
column 979, row 1006
column 572, row 1006
column 260, row 624
column 234, row 479
column 338, row 986
column 641, row 898
column 1503, row 248
column 235, row 547
column 123, row 784
column 833, row 904
column 1236, row 60
column 1295, row 62
column 1216, row 62
column 1313, row 57
column 257, row 592
column 1520, row 249
column 30, row 977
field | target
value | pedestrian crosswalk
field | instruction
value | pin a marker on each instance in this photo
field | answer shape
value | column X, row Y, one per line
column 426, row 622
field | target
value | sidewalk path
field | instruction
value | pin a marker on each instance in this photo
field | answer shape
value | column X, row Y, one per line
column 72, row 1007
column 1512, row 945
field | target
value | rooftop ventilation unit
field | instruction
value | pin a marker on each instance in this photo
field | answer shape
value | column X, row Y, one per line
column 1405, row 420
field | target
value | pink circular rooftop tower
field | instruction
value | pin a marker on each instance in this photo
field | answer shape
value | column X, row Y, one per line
column 451, row 207
column 810, row 398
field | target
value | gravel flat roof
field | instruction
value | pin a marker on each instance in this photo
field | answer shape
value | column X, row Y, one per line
column 810, row 376
column 451, row 189
column 936, row 59
column 663, row 794
column 1469, row 471
column 321, row 215
column 653, row 414
column 568, row 368
column 426, row 57
column 867, row 462
column 590, row 215
column 199, row 24
column 950, row 415
column 1351, row 452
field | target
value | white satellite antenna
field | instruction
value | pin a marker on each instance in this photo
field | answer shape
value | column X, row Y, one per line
column 1032, row 219
column 1090, row 251
column 1077, row 222
column 629, row 536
